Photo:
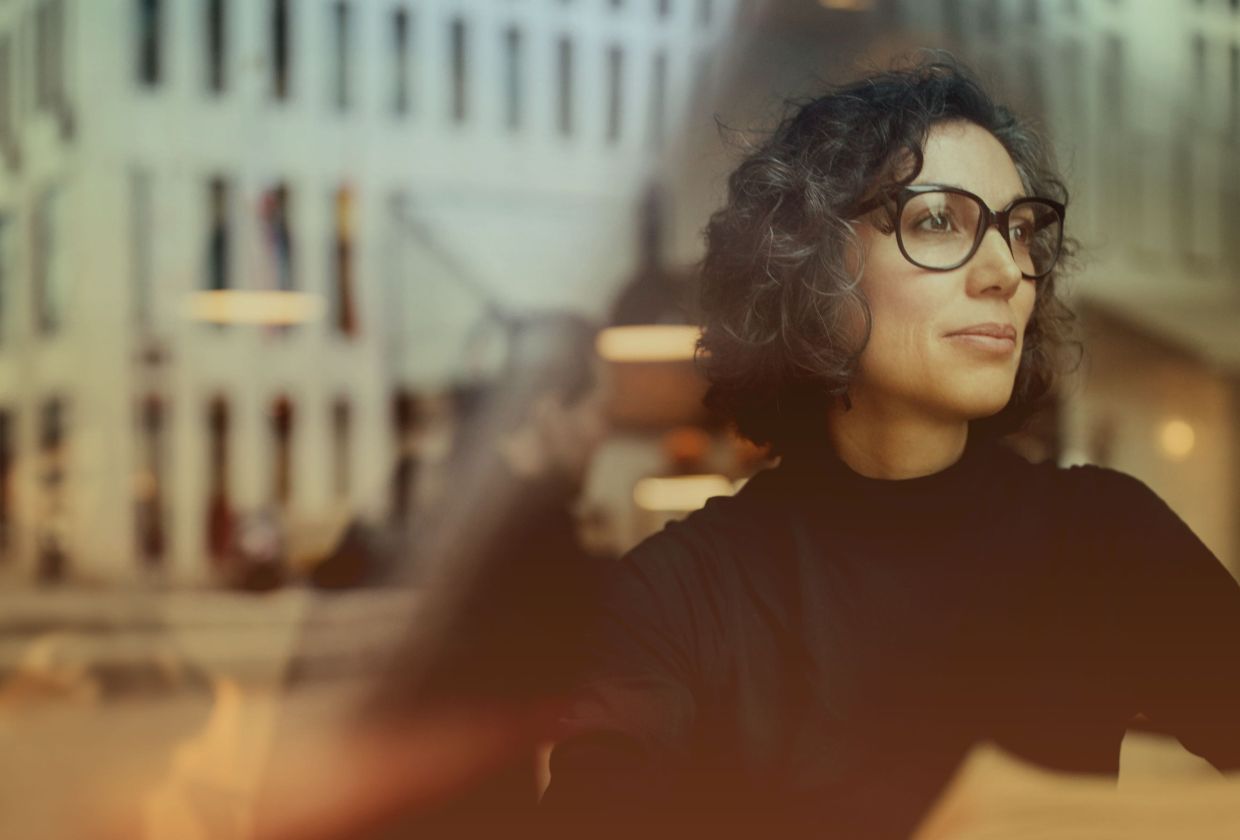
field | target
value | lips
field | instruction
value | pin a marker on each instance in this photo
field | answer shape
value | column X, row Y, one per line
column 990, row 330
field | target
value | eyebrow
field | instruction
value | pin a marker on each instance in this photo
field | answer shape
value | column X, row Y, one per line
column 1022, row 194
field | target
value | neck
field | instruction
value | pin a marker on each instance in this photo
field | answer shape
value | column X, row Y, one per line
column 887, row 445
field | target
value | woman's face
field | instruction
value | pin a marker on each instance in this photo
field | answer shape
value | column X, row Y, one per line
column 917, row 359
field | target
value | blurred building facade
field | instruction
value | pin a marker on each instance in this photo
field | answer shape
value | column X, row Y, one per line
column 420, row 171
column 409, row 168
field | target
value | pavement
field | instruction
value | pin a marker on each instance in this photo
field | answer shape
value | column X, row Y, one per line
column 153, row 714
column 135, row 642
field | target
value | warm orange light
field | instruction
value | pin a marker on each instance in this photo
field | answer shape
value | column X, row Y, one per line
column 846, row 5
column 1177, row 439
column 648, row 343
column 679, row 493
column 267, row 308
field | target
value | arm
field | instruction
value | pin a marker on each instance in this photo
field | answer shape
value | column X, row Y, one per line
column 626, row 737
column 1186, row 619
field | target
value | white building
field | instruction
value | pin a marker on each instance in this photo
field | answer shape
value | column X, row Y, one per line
column 372, row 154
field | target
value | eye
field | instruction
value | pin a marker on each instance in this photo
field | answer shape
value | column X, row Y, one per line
column 936, row 221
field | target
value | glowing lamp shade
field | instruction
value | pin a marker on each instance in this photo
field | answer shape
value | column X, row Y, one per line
column 648, row 343
column 681, row 493
column 1176, row 439
column 263, row 308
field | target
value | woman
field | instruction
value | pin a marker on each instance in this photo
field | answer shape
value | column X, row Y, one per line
column 817, row 653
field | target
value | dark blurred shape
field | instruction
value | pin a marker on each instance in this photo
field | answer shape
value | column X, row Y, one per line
column 219, row 514
column 7, row 460
column 150, row 38
column 346, row 308
column 508, row 592
column 149, row 505
column 260, row 553
column 280, row 43
column 275, row 214
column 282, row 417
column 53, row 555
column 655, row 294
column 219, row 238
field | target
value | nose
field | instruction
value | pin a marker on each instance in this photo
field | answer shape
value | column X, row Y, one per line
column 993, row 270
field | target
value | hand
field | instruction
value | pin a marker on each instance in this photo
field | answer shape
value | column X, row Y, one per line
column 556, row 440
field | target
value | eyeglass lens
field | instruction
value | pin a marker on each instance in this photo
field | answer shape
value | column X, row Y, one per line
column 939, row 229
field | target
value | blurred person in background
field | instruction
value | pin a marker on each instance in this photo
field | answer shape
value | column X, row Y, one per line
column 816, row 654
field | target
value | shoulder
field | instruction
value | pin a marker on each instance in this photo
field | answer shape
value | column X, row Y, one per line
column 1108, row 495
column 695, row 563
column 1134, row 522
column 705, row 538
column 1100, row 490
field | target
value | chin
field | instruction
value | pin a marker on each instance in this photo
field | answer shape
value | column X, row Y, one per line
column 978, row 403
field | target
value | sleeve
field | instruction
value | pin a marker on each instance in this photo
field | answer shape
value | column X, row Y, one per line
column 1186, row 622
column 626, row 738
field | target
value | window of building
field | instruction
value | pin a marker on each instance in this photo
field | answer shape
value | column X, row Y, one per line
column 52, row 550
column 664, row 7
column 1233, row 93
column 150, row 534
column 458, row 48
column 281, row 418
column 343, row 56
column 615, row 92
column 342, row 261
column 512, row 78
column 219, row 234
column 276, row 211
column 141, row 239
column 6, row 263
column 1200, row 75
column 705, row 12
column 988, row 18
column 1122, row 187
column 49, row 278
column 216, row 29
column 406, row 421
column 1113, row 80
column 281, row 49
column 219, row 513
column 150, row 24
column 1035, row 94
column 658, row 99
column 49, row 54
column 401, row 64
column 1075, row 120
column 8, row 458
column 953, row 19
column 341, row 445
column 8, row 138
column 564, row 86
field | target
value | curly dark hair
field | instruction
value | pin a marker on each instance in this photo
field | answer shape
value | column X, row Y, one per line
column 777, row 294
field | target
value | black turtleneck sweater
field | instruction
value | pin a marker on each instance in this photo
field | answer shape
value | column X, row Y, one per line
column 817, row 653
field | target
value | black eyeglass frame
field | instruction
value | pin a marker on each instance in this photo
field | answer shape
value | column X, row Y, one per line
column 987, row 219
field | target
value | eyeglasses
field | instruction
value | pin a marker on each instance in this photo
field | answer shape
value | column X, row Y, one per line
column 941, row 228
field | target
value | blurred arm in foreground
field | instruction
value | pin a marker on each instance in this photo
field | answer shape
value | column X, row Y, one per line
column 446, row 744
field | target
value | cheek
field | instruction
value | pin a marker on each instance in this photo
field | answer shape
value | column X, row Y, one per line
column 1026, row 298
column 902, row 334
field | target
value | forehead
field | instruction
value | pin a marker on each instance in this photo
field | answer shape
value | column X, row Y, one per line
column 963, row 154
